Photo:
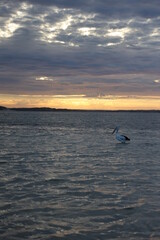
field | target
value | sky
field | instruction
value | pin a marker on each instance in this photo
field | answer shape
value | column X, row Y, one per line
column 80, row 54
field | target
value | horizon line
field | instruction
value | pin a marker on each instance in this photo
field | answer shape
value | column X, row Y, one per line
column 67, row 109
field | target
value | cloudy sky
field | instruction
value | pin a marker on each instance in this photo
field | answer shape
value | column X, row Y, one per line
column 94, row 54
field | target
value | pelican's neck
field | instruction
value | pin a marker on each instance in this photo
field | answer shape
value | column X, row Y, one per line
column 117, row 129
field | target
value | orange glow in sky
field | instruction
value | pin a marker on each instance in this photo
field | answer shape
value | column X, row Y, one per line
column 82, row 102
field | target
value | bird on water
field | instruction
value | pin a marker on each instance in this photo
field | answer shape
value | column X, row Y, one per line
column 119, row 137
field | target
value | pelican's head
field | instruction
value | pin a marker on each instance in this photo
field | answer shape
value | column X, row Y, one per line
column 116, row 129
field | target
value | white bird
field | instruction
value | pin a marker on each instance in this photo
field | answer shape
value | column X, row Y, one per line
column 120, row 137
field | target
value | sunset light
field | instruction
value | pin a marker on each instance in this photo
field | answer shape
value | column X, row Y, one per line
column 80, row 119
column 82, row 102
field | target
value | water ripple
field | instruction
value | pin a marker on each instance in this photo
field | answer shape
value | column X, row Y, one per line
column 65, row 177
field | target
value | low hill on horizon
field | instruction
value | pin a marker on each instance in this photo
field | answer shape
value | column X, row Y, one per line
column 48, row 109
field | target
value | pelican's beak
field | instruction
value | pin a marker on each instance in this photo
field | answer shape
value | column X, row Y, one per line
column 114, row 131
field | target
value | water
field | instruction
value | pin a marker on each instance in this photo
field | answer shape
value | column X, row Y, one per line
column 64, row 176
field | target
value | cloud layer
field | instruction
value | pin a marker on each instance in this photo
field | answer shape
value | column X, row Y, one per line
column 92, row 48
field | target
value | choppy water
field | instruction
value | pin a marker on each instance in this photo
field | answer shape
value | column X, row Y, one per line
column 64, row 176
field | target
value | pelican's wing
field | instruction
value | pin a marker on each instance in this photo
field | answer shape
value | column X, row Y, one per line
column 126, row 138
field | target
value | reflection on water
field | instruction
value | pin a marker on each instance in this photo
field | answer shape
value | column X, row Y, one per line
column 64, row 176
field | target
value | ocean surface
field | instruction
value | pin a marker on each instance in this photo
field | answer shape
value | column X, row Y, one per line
column 63, row 175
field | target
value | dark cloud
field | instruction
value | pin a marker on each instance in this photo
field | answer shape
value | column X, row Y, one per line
column 111, row 8
column 80, row 45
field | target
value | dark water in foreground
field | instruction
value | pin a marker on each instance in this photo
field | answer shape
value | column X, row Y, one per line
column 64, row 176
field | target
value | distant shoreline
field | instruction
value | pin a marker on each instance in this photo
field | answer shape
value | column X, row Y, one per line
column 47, row 109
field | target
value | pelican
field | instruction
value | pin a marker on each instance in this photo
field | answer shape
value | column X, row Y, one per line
column 120, row 137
